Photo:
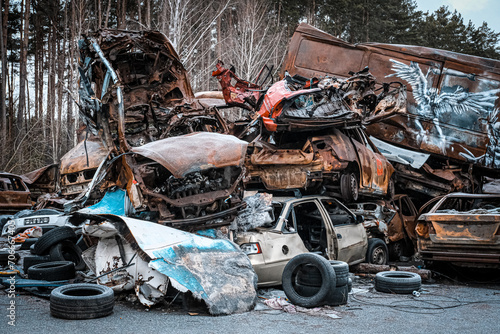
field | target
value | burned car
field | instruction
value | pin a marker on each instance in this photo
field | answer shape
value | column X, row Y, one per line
column 134, row 90
column 452, row 110
column 462, row 229
column 393, row 221
column 14, row 194
column 342, row 161
column 313, row 137
column 170, row 152
column 318, row 224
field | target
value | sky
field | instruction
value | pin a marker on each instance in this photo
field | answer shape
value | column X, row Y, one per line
column 475, row 10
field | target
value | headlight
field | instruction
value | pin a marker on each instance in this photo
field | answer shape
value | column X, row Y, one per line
column 251, row 248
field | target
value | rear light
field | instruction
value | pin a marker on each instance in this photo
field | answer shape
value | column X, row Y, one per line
column 251, row 248
column 422, row 230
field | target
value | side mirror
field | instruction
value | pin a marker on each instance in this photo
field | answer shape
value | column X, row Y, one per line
column 359, row 219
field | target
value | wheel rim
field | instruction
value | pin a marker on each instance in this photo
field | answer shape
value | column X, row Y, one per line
column 378, row 256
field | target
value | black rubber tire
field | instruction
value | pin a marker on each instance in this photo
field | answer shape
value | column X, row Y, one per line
column 28, row 243
column 290, row 274
column 81, row 301
column 309, row 275
column 397, row 282
column 338, row 296
column 349, row 187
column 29, row 261
column 67, row 251
column 32, row 249
column 5, row 256
column 349, row 284
column 52, row 237
column 52, row 271
column 341, row 271
column 377, row 252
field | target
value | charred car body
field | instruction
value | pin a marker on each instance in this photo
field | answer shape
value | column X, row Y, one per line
column 135, row 95
column 393, row 221
column 313, row 134
column 462, row 229
column 452, row 105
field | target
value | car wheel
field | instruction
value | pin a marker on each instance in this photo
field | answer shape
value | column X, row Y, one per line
column 53, row 237
column 377, row 252
column 67, row 251
column 289, row 279
column 81, row 301
column 349, row 187
column 397, row 282
column 52, row 271
column 396, row 250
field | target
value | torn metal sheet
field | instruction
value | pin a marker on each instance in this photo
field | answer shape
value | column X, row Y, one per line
column 195, row 152
column 114, row 202
column 216, row 271
column 400, row 155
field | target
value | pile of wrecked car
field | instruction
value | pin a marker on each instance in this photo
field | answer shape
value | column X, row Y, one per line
column 170, row 198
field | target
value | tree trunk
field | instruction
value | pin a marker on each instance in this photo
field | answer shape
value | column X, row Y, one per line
column 23, row 59
column 3, row 111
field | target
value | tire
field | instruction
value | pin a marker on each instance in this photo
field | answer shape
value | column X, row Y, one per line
column 52, row 237
column 52, row 271
column 397, row 282
column 67, row 251
column 81, row 301
column 391, row 189
column 338, row 296
column 5, row 255
column 349, row 187
column 349, row 284
column 377, row 252
column 29, row 261
column 290, row 274
column 309, row 275
column 28, row 243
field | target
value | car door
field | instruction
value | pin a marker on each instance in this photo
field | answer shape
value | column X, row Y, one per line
column 408, row 213
column 350, row 235
column 280, row 245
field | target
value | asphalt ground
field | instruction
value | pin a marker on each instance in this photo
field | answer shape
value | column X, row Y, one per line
column 445, row 306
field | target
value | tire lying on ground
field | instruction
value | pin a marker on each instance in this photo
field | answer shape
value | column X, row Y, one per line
column 309, row 275
column 397, row 282
column 289, row 279
column 29, row 261
column 349, row 284
column 53, row 237
column 338, row 296
column 81, row 301
column 52, row 271
column 67, row 251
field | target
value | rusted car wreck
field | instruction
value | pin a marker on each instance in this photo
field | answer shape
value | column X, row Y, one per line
column 135, row 95
column 451, row 118
column 312, row 134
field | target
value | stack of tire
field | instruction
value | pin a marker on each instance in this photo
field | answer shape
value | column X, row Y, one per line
column 309, row 280
column 56, row 256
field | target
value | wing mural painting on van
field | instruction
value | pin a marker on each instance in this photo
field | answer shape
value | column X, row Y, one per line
column 492, row 156
column 441, row 106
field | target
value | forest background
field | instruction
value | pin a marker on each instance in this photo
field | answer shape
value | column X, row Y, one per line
column 39, row 50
